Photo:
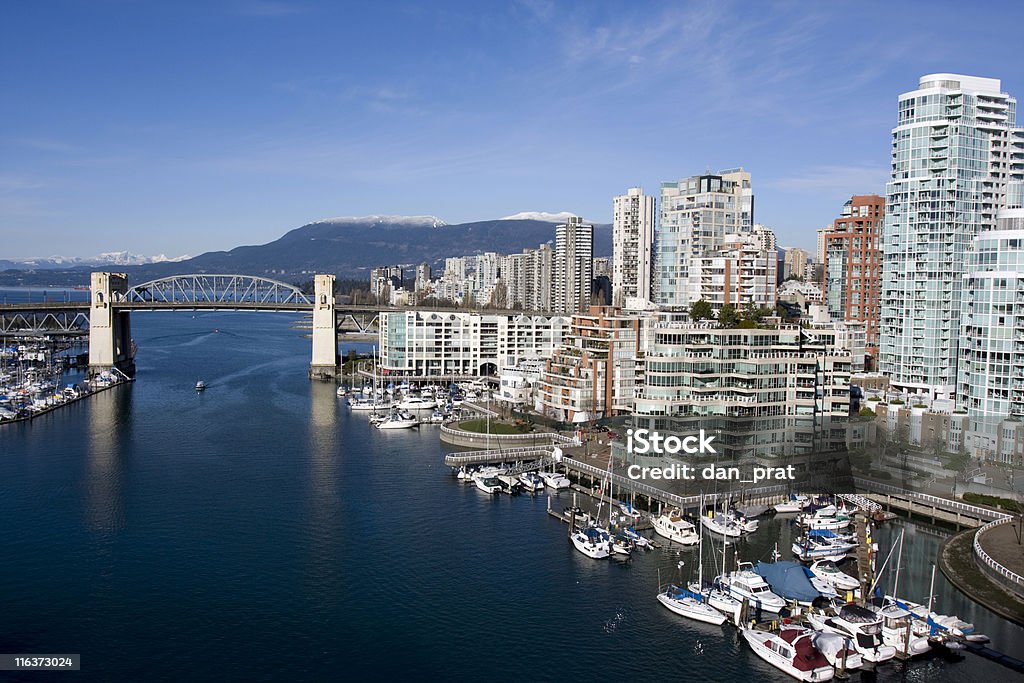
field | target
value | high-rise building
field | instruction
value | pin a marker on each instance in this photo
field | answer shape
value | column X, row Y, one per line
column 853, row 264
column 741, row 272
column 695, row 216
column 632, row 246
column 989, row 384
column 537, row 273
column 573, row 266
column 951, row 160
column 794, row 263
column 422, row 277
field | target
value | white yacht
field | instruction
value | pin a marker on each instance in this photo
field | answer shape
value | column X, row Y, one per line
column 862, row 625
column 417, row 403
column 673, row 527
column 487, row 484
column 721, row 524
column 554, row 480
column 690, row 605
column 796, row 503
column 592, row 542
column 399, row 421
column 531, row 481
column 790, row 650
column 897, row 624
column 828, row 571
column 745, row 583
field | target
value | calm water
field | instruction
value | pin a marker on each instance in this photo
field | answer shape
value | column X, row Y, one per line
column 258, row 531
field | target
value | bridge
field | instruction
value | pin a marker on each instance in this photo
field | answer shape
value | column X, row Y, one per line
column 107, row 313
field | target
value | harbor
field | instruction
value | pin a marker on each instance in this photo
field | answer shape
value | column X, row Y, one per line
column 279, row 474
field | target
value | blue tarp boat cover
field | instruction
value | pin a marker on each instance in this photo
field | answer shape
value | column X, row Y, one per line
column 787, row 580
column 823, row 533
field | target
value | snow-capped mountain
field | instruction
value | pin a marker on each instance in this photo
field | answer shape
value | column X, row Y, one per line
column 411, row 221
column 110, row 258
column 559, row 217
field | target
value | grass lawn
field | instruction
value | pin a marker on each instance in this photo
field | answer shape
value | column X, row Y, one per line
column 480, row 427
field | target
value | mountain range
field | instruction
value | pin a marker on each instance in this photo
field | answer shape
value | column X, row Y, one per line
column 347, row 247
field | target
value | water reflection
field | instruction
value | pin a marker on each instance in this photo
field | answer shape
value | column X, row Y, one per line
column 325, row 513
column 109, row 423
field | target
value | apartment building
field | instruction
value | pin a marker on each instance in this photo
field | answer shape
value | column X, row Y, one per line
column 633, row 221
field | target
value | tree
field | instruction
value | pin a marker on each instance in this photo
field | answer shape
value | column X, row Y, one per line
column 701, row 310
column 728, row 317
column 499, row 296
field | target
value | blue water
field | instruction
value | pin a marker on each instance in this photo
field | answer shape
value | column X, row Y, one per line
column 258, row 531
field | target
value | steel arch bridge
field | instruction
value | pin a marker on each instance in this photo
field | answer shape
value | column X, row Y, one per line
column 208, row 290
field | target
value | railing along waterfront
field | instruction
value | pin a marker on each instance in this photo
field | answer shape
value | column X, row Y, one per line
column 532, row 437
column 991, row 564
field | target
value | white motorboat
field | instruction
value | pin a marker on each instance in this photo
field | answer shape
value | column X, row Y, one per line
column 554, row 480
column 531, row 481
column 592, row 542
column 200, row 385
column 796, row 503
column 399, row 421
column 746, row 525
column 897, row 627
column 630, row 511
column 673, row 527
column 828, row 571
column 417, row 403
column 690, row 605
column 745, row 583
column 721, row 524
column 510, row 484
column 792, row 651
column 639, row 541
column 487, row 484
column 861, row 625
column 341, row 392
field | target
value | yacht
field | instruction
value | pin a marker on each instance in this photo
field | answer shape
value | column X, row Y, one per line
column 860, row 624
column 721, row 524
column 399, row 420
column 690, row 605
column 790, row 650
column 897, row 626
column 838, row 650
column 417, row 403
column 796, row 503
column 745, row 583
column 487, row 484
column 592, row 542
column 673, row 527
column 554, row 480
column 828, row 571
column 531, row 481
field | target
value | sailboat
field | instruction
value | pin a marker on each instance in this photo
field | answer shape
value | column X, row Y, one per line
column 688, row 603
column 717, row 596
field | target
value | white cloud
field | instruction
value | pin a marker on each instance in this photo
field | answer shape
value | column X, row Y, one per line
column 839, row 180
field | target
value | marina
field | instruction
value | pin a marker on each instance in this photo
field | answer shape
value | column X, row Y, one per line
column 309, row 511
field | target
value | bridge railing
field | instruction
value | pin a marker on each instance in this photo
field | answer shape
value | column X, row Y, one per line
column 992, row 565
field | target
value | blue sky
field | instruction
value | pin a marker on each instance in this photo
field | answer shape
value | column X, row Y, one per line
column 182, row 127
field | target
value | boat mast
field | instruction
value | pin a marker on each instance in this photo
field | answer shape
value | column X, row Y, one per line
column 931, row 593
column 899, row 561
column 700, row 556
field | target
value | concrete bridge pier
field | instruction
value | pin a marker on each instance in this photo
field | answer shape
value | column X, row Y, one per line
column 325, row 330
column 110, row 331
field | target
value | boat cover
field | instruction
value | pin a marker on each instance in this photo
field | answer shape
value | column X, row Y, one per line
column 787, row 579
column 855, row 614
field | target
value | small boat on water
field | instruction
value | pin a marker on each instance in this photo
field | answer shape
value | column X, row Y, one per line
column 399, row 420
column 593, row 542
column 417, row 403
column 721, row 524
column 897, row 625
column 792, row 651
column 554, row 480
column 673, row 527
column 745, row 583
column 200, row 385
column 690, row 605
column 487, row 484
column 796, row 503
column 630, row 511
column 862, row 625
column 828, row 571
column 531, row 481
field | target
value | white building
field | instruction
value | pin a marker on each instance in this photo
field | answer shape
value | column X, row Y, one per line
column 741, row 272
column 695, row 216
column 573, row 272
column 450, row 343
column 954, row 149
column 633, row 221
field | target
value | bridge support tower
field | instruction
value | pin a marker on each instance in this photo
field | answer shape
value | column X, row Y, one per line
column 325, row 330
column 110, row 331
